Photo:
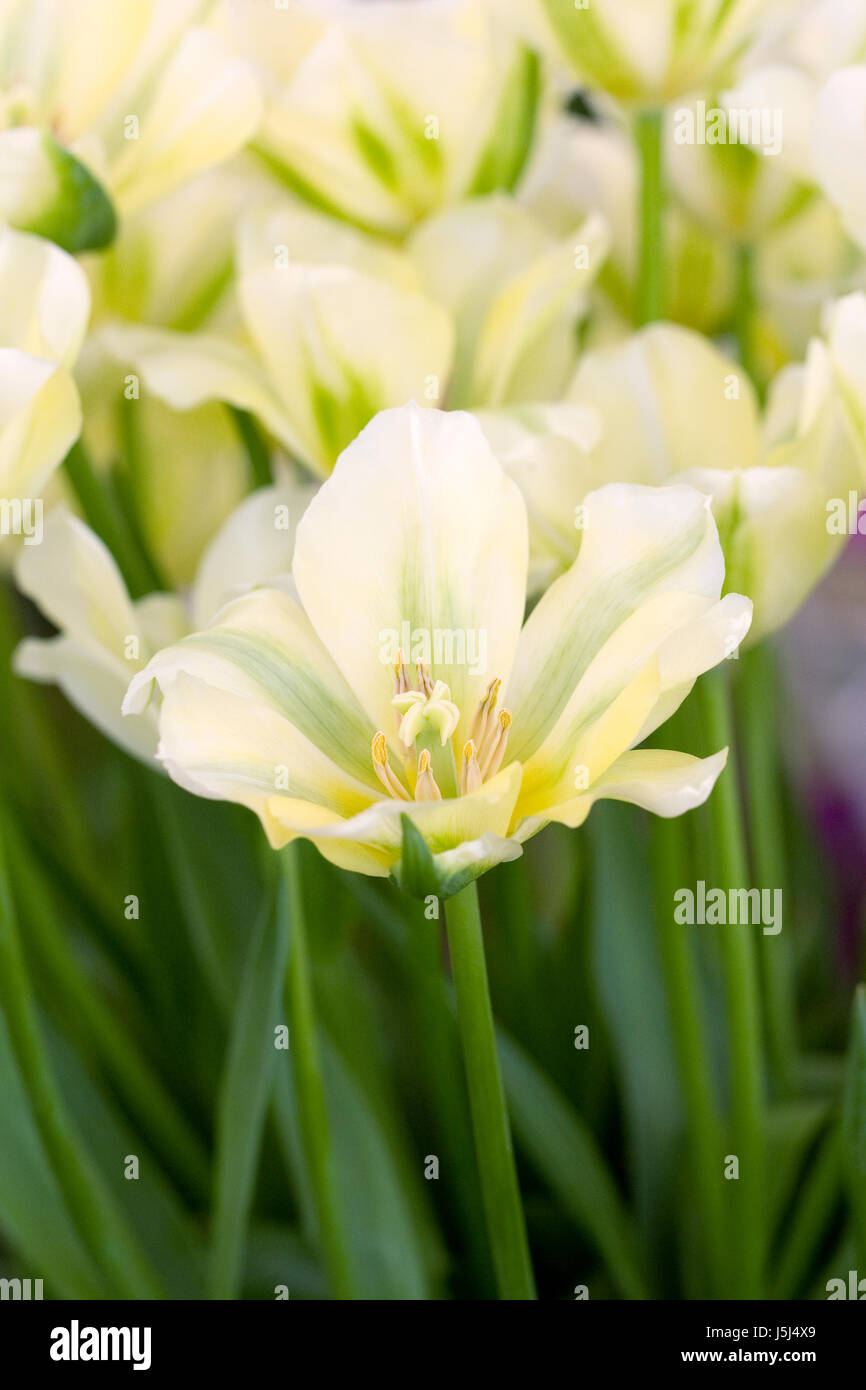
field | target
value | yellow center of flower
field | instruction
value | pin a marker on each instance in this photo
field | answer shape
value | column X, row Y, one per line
column 427, row 718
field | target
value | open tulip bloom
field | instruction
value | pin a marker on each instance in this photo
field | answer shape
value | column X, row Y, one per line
column 402, row 684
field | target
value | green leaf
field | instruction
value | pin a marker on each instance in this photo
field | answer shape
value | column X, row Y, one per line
column 244, row 1093
column 564, row 1152
column 630, row 985
column 33, row 1217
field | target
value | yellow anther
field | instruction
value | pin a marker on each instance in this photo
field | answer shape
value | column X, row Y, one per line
column 384, row 772
column 493, row 754
column 470, row 772
column 485, row 709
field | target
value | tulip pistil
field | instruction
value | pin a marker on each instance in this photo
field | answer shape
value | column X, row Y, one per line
column 427, row 719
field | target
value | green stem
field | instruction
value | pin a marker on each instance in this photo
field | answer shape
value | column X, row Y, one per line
column 445, row 1092
column 307, row 1072
column 649, row 130
column 670, row 871
column 90, row 1204
column 494, row 1153
column 744, row 313
column 739, row 968
column 762, row 777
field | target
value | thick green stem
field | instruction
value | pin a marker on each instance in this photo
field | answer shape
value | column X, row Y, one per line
column 739, row 968
column 762, row 777
column 310, row 1089
column 494, row 1153
column 649, row 132
column 705, row 1136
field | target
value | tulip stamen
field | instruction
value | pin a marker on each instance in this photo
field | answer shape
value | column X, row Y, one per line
column 470, row 772
column 426, row 787
column 383, row 770
column 484, row 711
column 492, row 755
column 401, row 677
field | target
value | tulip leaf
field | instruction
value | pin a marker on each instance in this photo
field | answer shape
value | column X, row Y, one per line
column 565, row 1153
column 244, row 1094
column 854, row 1120
column 416, row 874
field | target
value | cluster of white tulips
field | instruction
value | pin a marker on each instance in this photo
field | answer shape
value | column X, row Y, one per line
column 533, row 329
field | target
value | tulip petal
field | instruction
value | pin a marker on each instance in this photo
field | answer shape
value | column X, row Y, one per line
column 340, row 346
column 663, row 782
column 668, row 400
column 641, row 546
column 187, row 369
column 255, row 544
column 262, row 649
column 453, row 830
column 204, row 108
column 418, row 539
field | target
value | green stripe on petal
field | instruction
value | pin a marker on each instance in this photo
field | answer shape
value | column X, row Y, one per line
column 263, row 649
column 418, row 541
column 637, row 543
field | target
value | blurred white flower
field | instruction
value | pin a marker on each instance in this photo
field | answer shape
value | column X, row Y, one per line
column 383, row 112
column 111, row 103
column 44, row 307
column 104, row 637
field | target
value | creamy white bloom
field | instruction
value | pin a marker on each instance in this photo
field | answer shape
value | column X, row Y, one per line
column 482, row 728
column 642, row 51
column 392, row 111
column 110, row 103
column 44, row 307
column 104, row 637
column 480, row 308
column 671, row 407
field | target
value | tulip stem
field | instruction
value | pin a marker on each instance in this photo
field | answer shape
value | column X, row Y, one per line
column 309, row 1085
column 739, row 969
column 493, row 1149
column 650, row 302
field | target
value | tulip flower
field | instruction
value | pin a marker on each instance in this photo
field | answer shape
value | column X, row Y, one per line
column 479, row 309
column 401, row 684
column 668, row 406
column 104, row 637
column 392, row 111
column 640, row 51
column 108, row 106
column 44, row 307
